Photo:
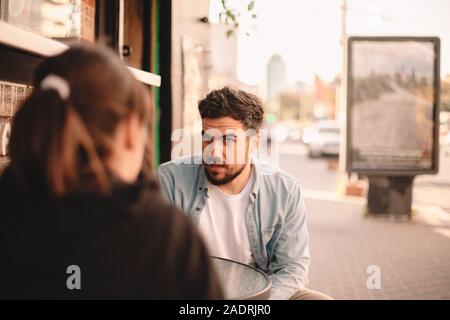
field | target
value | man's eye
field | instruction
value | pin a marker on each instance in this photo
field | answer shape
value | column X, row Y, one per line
column 208, row 138
column 228, row 138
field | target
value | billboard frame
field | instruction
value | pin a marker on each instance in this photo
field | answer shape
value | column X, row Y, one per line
column 349, row 106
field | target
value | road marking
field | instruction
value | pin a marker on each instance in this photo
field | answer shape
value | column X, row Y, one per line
column 442, row 231
column 331, row 196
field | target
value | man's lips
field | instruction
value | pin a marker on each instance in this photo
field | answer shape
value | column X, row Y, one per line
column 215, row 166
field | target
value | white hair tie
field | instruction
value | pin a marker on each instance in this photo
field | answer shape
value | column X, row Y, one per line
column 58, row 84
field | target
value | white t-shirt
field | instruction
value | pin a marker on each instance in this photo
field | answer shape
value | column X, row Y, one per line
column 223, row 223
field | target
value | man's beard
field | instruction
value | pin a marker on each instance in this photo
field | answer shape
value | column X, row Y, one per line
column 226, row 179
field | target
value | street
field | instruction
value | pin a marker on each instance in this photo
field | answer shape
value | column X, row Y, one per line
column 413, row 257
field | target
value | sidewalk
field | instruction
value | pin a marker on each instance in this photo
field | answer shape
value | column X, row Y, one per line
column 414, row 257
column 435, row 189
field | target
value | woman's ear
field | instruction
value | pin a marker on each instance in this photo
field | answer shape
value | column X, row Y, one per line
column 132, row 131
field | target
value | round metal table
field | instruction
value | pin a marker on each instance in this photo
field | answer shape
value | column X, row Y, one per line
column 240, row 281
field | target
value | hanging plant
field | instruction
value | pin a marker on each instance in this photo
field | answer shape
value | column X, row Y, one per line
column 231, row 16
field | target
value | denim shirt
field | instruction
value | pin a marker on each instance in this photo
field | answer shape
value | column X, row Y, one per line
column 275, row 219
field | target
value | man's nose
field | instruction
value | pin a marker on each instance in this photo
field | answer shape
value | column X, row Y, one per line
column 217, row 148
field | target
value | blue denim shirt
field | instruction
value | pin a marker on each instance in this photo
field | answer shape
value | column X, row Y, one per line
column 275, row 219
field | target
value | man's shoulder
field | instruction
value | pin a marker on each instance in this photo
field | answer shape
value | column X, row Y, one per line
column 181, row 167
column 277, row 177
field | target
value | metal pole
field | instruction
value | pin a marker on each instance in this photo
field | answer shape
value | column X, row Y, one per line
column 343, row 178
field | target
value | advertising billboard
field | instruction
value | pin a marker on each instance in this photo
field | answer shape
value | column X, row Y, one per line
column 392, row 105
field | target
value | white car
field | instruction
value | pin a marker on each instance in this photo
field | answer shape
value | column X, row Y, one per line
column 322, row 138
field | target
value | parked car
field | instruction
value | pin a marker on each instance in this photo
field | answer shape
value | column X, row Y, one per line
column 323, row 138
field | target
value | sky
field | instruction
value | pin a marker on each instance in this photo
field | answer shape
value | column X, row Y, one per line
column 307, row 33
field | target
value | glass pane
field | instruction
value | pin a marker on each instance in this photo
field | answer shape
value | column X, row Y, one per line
column 64, row 20
column 11, row 97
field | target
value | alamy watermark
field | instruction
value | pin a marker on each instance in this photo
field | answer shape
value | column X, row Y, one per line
column 74, row 280
column 374, row 279
column 234, row 146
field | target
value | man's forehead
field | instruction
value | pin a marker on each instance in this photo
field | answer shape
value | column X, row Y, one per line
column 223, row 124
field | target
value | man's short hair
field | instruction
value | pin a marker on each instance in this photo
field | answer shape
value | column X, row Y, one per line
column 237, row 104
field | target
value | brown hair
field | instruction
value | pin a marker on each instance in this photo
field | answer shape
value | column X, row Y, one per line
column 62, row 143
column 234, row 103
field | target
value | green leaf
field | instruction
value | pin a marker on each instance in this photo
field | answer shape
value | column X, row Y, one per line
column 251, row 5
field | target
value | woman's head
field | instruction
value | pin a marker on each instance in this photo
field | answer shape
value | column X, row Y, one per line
column 70, row 143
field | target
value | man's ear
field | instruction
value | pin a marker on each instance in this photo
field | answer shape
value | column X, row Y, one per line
column 255, row 142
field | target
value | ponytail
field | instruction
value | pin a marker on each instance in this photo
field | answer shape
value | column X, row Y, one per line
column 64, row 132
column 50, row 145
column 73, row 161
